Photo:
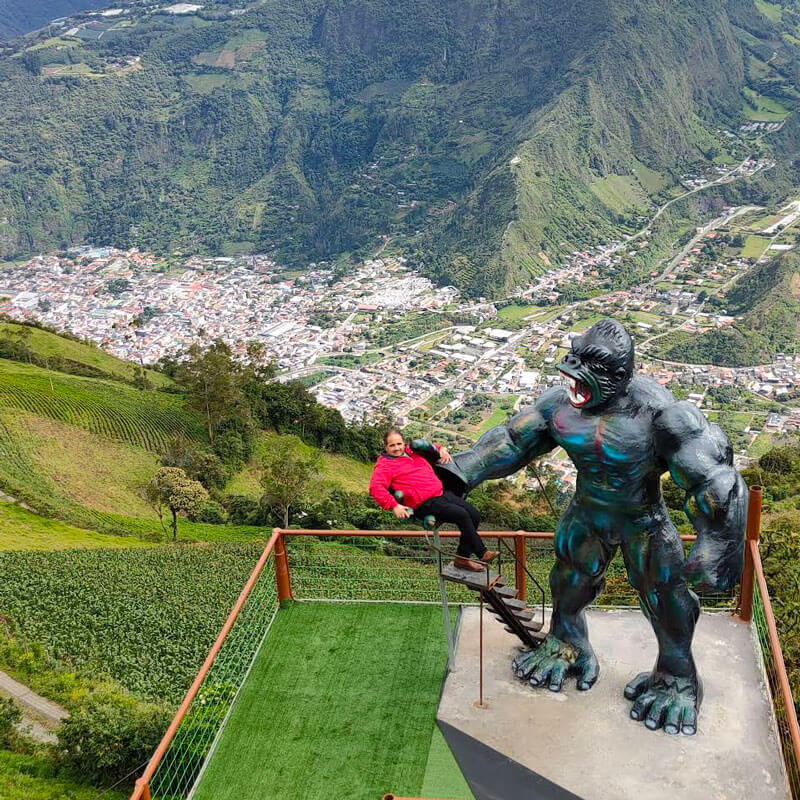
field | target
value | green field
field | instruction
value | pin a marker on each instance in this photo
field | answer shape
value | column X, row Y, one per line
column 21, row 529
column 144, row 418
column 89, row 481
column 497, row 417
column 115, row 613
column 516, row 312
column 81, row 450
column 761, row 444
column 341, row 702
column 651, row 180
column 771, row 11
column 760, row 108
column 48, row 344
column 99, row 473
column 765, row 222
column 350, row 361
column 619, row 192
column 754, row 246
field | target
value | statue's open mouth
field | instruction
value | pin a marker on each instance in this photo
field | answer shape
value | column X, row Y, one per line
column 579, row 393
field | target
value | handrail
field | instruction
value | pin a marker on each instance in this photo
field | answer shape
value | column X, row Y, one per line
column 521, row 564
column 141, row 790
column 777, row 652
column 415, row 534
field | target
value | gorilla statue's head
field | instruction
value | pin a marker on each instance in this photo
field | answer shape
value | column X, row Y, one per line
column 599, row 365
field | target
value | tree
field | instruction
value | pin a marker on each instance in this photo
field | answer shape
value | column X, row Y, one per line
column 288, row 475
column 32, row 61
column 213, row 381
column 172, row 488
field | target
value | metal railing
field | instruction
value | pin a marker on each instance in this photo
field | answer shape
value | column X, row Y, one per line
column 755, row 606
column 179, row 758
column 397, row 566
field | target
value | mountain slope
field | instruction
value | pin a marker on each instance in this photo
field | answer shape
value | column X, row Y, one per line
column 484, row 136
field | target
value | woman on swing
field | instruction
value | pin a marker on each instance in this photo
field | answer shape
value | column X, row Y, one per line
column 400, row 468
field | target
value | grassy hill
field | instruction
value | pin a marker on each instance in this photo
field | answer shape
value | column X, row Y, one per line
column 79, row 451
column 337, row 469
column 49, row 345
column 768, row 301
column 21, row 529
column 480, row 136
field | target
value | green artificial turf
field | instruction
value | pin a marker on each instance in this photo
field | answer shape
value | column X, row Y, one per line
column 340, row 702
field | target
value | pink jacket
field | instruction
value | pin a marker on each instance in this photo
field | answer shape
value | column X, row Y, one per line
column 411, row 473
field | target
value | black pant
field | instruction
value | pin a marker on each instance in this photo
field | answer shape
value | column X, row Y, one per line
column 449, row 507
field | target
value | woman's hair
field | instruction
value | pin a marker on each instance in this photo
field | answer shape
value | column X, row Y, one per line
column 390, row 432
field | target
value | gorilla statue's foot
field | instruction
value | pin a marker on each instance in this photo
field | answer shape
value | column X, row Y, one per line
column 552, row 660
column 664, row 700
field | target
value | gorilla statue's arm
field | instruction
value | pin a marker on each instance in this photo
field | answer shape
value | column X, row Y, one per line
column 504, row 449
column 699, row 457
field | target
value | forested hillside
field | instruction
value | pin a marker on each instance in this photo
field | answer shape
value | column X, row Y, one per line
column 487, row 138
column 20, row 16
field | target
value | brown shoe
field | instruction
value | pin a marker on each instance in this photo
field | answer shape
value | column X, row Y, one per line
column 489, row 555
column 465, row 563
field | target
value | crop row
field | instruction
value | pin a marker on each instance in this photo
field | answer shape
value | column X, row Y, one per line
column 146, row 419
column 144, row 617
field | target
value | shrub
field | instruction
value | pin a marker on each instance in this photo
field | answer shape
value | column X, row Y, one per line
column 108, row 733
column 10, row 715
column 212, row 513
column 241, row 509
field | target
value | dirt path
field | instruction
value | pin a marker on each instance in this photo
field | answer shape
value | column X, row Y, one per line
column 40, row 716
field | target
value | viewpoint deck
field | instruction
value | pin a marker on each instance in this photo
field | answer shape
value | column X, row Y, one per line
column 585, row 742
column 340, row 702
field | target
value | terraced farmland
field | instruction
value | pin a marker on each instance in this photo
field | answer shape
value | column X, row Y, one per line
column 146, row 419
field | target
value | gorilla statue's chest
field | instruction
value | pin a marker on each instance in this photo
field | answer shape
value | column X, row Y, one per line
column 616, row 442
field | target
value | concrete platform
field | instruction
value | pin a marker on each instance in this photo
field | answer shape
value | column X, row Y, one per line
column 586, row 743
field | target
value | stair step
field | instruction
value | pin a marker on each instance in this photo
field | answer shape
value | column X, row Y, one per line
column 506, row 591
column 532, row 625
column 514, row 604
column 524, row 615
column 536, row 637
column 473, row 580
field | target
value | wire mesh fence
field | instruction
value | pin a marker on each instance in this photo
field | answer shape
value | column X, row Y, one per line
column 406, row 570
column 183, row 761
column 790, row 757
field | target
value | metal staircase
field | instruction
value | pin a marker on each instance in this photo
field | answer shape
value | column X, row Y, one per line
column 511, row 610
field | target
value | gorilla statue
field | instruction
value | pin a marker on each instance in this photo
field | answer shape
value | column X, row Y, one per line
column 622, row 432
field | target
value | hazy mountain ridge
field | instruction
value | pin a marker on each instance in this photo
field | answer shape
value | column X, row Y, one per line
column 308, row 130
column 18, row 17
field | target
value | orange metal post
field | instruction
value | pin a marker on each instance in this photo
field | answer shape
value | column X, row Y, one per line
column 282, row 570
column 520, row 576
column 753, row 533
column 146, row 792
